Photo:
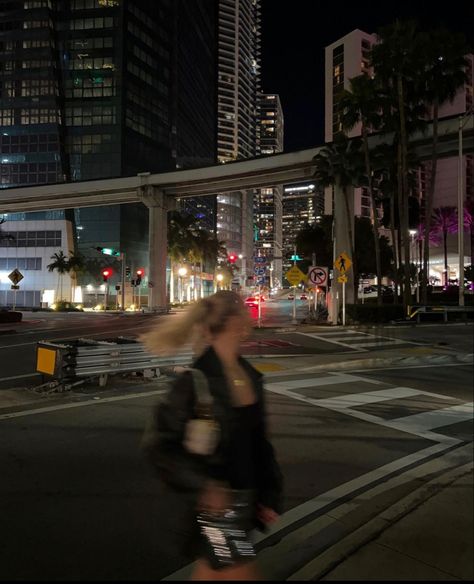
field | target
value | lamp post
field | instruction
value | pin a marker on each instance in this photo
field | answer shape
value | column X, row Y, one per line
column 462, row 122
column 181, row 273
column 414, row 260
column 219, row 279
column 243, row 267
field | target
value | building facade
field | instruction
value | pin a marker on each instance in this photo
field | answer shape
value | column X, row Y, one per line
column 237, row 114
column 28, row 244
column 95, row 89
column 302, row 205
column 268, row 201
column 348, row 57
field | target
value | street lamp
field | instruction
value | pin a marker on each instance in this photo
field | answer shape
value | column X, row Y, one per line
column 219, row 279
column 181, row 273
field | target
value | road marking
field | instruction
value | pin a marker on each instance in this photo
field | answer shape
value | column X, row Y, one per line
column 92, row 402
column 18, row 377
column 132, row 328
column 383, row 342
column 435, row 418
column 317, row 381
column 326, row 340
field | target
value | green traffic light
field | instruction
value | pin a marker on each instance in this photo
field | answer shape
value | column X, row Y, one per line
column 109, row 251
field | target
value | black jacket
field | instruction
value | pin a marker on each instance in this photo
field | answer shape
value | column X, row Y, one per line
column 188, row 472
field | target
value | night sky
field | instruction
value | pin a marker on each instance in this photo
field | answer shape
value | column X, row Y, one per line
column 295, row 33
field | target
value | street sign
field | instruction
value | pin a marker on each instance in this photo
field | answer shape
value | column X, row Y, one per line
column 260, row 259
column 318, row 276
column 15, row 276
column 294, row 276
column 261, row 281
column 343, row 263
column 14, row 287
column 259, row 271
column 342, row 279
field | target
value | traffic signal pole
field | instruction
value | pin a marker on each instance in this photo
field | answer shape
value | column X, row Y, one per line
column 123, row 257
column 294, row 321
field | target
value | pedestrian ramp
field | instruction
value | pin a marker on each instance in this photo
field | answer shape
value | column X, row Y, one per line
column 358, row 341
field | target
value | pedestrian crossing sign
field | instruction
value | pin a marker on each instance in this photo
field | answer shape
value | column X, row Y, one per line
column 343, row 263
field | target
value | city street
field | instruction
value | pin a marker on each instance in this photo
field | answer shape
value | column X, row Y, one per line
column 277, row 336
column 78, row 500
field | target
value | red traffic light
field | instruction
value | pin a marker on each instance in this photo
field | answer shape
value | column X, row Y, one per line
column 106, row 273
column 140, row 272
column 232, row 258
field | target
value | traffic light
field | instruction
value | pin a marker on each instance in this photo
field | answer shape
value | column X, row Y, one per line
column 106, row 273
column 232, row 258
column 128, row 272
column 109, row 251
column 140, row 272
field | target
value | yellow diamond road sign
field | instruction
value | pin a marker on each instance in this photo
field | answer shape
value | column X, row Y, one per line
column 343, row 263
column 294, row 276
column 342, row 279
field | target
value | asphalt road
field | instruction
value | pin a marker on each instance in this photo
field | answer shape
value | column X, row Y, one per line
column 79, row 502
column 277, row 336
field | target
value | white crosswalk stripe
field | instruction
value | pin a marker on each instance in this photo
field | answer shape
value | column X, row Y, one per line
column 358, row 341
column 420, row 424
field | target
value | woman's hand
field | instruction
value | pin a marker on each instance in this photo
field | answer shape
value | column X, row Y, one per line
column 266, row 515
column 214, row 498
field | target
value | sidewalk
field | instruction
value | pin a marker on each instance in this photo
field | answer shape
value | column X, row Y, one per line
column 433, row 540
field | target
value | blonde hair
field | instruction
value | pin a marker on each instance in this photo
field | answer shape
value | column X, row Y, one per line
column 196, row 325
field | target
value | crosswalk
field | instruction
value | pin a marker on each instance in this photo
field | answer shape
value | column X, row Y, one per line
column 410, row 410
column 358, row 341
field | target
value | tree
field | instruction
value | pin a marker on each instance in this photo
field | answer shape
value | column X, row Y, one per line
column 339, row 164
column 444, row 73
column 365, row 250
column 362, row 105
column 60, row 264
column 396, row 62
column 444, row 222
column 181, row 230
column 317, row 239
column 469, row 225
column 76, row 264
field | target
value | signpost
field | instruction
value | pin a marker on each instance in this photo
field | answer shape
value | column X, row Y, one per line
column 294, row 276
column 15, row 277
column 343, row 264
column 319, row 277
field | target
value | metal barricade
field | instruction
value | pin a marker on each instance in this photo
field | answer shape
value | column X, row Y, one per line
column 80, row 358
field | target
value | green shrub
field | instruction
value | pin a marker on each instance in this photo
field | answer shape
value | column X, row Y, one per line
column 374, row 313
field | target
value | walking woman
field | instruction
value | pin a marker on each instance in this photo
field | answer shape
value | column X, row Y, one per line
column 220, row 462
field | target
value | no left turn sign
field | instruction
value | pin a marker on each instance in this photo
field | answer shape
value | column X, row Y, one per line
column 318, row 276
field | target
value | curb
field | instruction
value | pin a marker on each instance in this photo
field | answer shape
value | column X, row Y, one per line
column 329, row 559
column 381, row 362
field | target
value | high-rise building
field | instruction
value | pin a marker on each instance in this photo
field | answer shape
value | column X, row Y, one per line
column 268, row 201
column 237, row 110
column 94, row 89
column 344, row 59
column 303, row 204
column 348, row 57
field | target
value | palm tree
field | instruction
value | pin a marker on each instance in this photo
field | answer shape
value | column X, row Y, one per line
column 60, row 263
column 444, row 73
column 469, row 225
column 339, row 164
column 444, row 222
column 181, row 230
column 77, row 264
column 396, row 62
column 362, row 105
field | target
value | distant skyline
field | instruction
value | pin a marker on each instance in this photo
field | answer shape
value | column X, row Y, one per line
column 293, row 40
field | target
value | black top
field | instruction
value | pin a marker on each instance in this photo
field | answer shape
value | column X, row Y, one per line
column 242, row 448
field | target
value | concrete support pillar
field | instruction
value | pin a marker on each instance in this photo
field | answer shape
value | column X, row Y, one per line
column 158, row 206
column 342, row 244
